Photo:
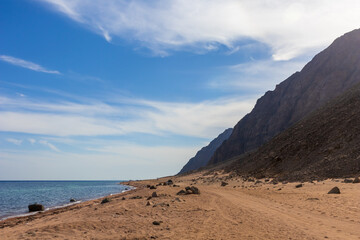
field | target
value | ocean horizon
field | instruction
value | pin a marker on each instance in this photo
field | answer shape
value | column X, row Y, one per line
column 16, row 195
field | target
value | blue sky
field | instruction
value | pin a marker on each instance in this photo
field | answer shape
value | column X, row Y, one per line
column 132, row 89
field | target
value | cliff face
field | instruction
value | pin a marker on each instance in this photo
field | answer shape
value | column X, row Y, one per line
column 203, row 156
column 327, row 75
column 323, row 145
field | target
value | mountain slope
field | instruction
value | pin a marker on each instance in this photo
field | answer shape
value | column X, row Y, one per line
column 327, row 75
column 323, row 145
column 203, row 156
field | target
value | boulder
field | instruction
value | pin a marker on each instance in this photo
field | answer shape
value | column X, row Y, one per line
column 105, row 200
column 356, row 180
column 181, row 192
column 334, row 190
column 72, row 200
column 36, row 207
column 152, row 187
column 346, row 180
column 194, row 190
column 154, row 194
column 223, row 184
column 299, row 185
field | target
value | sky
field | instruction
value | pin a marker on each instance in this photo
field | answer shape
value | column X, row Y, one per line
column 123, row 89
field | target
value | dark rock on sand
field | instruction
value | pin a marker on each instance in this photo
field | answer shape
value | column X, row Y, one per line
column 181, row 192
column 334, row 190
column 152, row 187
column 157, row 222
column 36, row 207
column 223, row 184
column 356, row 180
column 72, row 200
column 154, row 194
column 105, row 200
column 299, row 185
column 346, row 180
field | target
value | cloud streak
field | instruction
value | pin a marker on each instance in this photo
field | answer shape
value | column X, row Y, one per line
column 289, row 27
column 26, row 64
column 123, row 116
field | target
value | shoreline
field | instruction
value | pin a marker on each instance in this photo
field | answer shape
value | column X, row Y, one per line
column 64, row 206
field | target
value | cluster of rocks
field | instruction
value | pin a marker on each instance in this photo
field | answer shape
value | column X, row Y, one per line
column 189, row 190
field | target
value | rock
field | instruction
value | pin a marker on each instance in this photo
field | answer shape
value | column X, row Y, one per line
column 152, row 187
column 72, row 200
column 157, row 222
column 334, row 190
column 123, row 198
column 181, row 192
column 149, row 198
column 356, row 180
column 136, row 197
column 258, row 181
column 105, row 200
column 170, row 182
column 223, row 184
column 154, row 194
column 148, row 204
column 299, row 185
column 346, row 180
column 36, row 207
column 312, row 199
column 194, row 190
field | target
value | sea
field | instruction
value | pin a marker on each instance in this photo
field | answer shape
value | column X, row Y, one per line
column 15, row 196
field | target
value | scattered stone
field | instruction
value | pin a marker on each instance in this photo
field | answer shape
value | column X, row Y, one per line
column 299, row 185
column 258, row 181
column 181, row 192
column 223, row 184
column 123, row 198
column 148, row 204
column 152, row 187
column 346, row 180
column 72, row 200
column 149, row 198
column 334, row 190
column 157, row 222
column 154, row 194
column 356, row 180
column 274, row 182
column 36, row 207
column 105, row 200
column 312, row 199
column 136, row 197
column 279, row 189
column 170, row 182
column 194, row 190
column 177, row 199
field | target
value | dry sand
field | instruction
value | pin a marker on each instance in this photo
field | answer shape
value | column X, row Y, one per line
column 240, row 210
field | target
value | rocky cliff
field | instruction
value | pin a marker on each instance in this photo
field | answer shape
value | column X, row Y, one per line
column 203, row 156
column 327, row 75
column 323, row 145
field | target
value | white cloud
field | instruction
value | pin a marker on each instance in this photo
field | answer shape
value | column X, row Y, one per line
column 26, row 64
column 51, row 146
column 289, row 27
column 14, row 141
column 256, row 76
column 203, row 119
column 32, row 141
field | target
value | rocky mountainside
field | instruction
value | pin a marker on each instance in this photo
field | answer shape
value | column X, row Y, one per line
column 323, row 145
column 203, row 156
column 327, row 75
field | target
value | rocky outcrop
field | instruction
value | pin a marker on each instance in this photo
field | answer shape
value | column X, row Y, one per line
column 325, row 144
column 327, row 75
column 203, row 156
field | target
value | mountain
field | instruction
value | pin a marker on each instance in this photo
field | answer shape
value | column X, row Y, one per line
column 323, row 145
column 203, row 156
column 327, row 75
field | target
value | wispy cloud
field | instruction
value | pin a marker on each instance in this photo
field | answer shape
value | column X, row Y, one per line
column 26, row 64
column 256, row 75
column 122, row 116
column 289, row 27
column 14, row 141
column 51, row 146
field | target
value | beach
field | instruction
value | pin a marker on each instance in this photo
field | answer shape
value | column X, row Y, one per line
column 251, row 209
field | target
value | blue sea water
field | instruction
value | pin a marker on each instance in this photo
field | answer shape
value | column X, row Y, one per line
column 15, row 196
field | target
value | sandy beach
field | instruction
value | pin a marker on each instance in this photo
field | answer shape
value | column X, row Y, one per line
column 239, row 210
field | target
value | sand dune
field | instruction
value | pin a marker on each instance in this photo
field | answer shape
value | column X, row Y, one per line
column 240, row 210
